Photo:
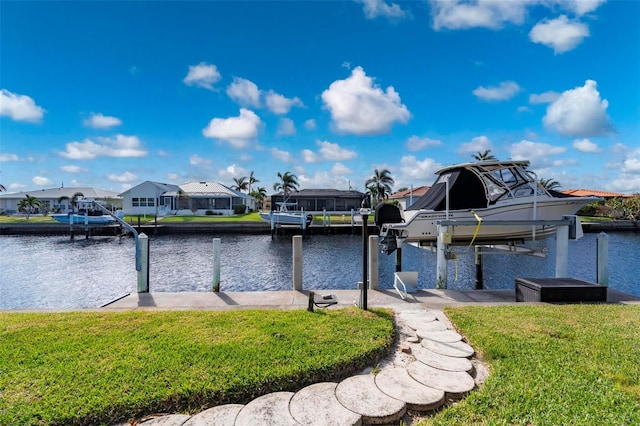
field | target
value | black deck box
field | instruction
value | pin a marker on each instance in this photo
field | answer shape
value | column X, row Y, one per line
column 559, row 290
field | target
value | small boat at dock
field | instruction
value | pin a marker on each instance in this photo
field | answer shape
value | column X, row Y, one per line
column 284, row 216
column 86, row 214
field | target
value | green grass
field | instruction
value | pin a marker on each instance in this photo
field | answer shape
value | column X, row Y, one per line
column 587, row 219
column 105, row 367
column 552, row 365
column 248, row 217
column 23, row 219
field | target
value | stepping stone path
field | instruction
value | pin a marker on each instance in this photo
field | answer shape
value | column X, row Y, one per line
column 438, row 370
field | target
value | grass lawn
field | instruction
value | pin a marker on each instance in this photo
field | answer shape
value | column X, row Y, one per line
column 586, row 219
column 248, row 217
column 105, row 367
column 551, row 365
column 23, row 219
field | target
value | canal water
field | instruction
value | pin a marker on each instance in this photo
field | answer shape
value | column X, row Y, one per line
column 54, row 272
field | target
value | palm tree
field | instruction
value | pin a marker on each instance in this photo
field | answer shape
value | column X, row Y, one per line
column 383, row 182
column 259, row 194
column 28, row 205
column 288, row 183
column 252, row 180
column 242, row 184
column 550, row 184
column 2, row 188
column 73, row 201
column 182, row 200
column 484, row 156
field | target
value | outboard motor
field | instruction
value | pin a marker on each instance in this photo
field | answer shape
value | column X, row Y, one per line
column 387, row 214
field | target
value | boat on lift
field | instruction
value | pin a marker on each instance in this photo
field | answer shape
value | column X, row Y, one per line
column 86, row 214
column 479, row 191
column 284, row 216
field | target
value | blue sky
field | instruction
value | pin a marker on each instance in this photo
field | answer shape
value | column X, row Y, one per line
column 110, row 94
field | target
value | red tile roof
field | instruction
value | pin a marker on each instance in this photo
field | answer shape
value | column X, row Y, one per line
column 417, row 192
column 595, row 192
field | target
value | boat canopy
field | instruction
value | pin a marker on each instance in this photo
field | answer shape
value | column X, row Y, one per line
column 478, row 185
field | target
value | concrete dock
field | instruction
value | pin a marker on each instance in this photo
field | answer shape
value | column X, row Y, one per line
column 422, row 299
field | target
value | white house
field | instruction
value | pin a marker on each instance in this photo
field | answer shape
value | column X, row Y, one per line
column 161, row 199
column 57, row 199
column 150, row 198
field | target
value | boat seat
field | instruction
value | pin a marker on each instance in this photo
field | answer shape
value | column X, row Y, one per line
column 321, row 301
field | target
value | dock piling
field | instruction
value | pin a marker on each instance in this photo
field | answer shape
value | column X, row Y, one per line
column 143, row 272
column 562, row 251
column 441, row 261
column 297, row 262
column 373, row 262
column 216, row 264
column 602, row 261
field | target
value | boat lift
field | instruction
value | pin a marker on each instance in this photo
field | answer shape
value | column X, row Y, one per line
column 142, row 249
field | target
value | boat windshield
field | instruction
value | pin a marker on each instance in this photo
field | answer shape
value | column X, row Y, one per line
column 507, row 181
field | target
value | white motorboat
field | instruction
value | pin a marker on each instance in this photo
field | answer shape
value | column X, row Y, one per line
column 87, row 214
column 480, row 192
column 284, row 216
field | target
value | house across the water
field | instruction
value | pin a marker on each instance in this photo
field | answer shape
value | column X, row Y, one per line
column 197, row 198
column 318, row 200
column 57, row 200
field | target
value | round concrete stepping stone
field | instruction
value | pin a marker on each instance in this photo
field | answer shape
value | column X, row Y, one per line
column 271, row 409
column 396, row 382
column 427, row 327
column 455, row 383
column 168, row 420
column 454, row 349
column 441, row 362
column 418, row 315
column 446, row 336
column 361, row 395
column 317, row 405
column 222, row 415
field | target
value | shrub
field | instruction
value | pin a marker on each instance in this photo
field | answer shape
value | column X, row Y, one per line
column 239, row 209
column 210, row 213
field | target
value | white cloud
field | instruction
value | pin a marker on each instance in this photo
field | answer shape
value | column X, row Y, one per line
column 579, row 112
column 73, row 169
column 238, row 131
column 310, row 124
column 322, row 179
column 41, row 181
column 16, row 186
column 631, row 164
column 477, row 144
column 585, row 145
column 505, row 90
column 8, row 157
column 197, row 161
column 375, row 8
column 120, row 146
column 123, row 178
column 628, row 179
column 202, row 75
column 333, row 151
column 360, row 107
column 279, row 104
column 244, row 92
column 232, row 171
column 523, row 108
column 580, row 7
column 340, row 169
column 163, row 154
column 537, row 153
column 282, row 155
column 286, row 127
column 19, row 107
column 463, row 14
column 309, row 156
column 415, row 143
column 560, row 34
column 416, row 172
column 543, row 98
column 172, row 176
column 99, row 121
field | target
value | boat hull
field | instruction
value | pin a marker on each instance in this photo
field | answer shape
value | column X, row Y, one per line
column 78, row 219
column 287, row 218
column 422, row 226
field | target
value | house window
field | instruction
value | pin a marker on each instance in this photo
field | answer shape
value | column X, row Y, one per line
column 151, row 202
column 135, row 202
